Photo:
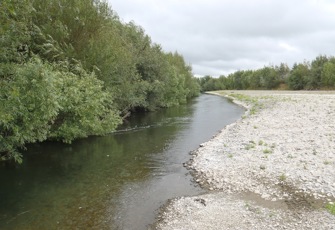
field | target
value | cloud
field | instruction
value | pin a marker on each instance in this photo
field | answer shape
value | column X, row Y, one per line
column 219, row 37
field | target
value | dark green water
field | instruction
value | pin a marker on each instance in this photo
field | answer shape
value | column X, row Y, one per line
column 114, row 182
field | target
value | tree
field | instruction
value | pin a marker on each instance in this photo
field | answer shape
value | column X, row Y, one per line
column 41, row 102
column 14, row 31
column 298, row 76
column 69, row 69
column 269, row 78
column 283, row 72
column 313, row 80
column 207, row 83
column 255, row 79
column 237, row 79
column 328, row 75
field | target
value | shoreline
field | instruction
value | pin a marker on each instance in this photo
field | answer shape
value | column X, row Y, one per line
column 278, row 159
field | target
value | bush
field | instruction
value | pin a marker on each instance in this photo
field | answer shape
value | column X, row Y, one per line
column 38, row 102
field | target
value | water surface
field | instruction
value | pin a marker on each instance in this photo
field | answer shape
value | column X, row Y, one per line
column 113, row 182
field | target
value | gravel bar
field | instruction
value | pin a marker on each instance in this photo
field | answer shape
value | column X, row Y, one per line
column 272, row 169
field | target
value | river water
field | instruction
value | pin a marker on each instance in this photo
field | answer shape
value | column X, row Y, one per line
column 118, row 181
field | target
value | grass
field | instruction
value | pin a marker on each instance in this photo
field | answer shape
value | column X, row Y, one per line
column 253, row 110
column 272, row 214
column 282, row 177
column 326, row 162
column 250, row 145
column 251, row 208
column 331, row 208
column 255, row 105
column 267, row 151
column 262, row 167
column 244, row 98
column 247, row 205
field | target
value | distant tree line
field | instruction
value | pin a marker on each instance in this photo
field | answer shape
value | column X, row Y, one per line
column 314, row 75
column 69, row 69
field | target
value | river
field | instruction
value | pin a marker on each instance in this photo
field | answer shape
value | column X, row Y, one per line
column 117, row 181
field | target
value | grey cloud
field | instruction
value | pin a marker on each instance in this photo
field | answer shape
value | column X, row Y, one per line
column 218, row 37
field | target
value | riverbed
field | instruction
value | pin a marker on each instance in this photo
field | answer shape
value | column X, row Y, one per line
column 118, row 181
column 272, row 169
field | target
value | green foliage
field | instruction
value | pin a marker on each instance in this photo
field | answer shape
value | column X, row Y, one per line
column 282, row 177
column 313, row 80
column 267, row 151
column 28, row 104
column 328, row 75
column 40, row 102
column 207, row 83
column 122, row 55
column 331, row 208
column 265, row 78
column 317, row 75
column 86, row 109
column 14, row 30
column 283, row 72
column 270, row 79
column 299, row 74
column 69, row 69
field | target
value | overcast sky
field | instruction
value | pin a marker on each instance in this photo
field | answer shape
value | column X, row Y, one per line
column 217, row 37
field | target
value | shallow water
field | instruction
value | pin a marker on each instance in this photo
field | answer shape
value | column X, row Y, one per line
column 118, row 181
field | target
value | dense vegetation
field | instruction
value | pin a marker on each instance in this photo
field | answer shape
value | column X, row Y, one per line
column 69, row 69
column 318, row 74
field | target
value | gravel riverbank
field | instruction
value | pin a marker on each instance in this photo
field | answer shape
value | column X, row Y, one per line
column 272, row 169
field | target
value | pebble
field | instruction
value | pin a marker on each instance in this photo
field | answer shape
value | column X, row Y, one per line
column 286, row 124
